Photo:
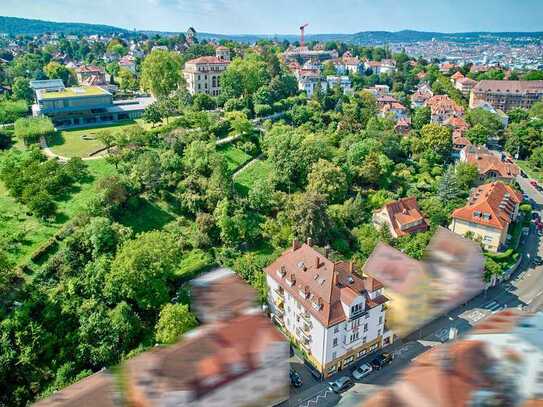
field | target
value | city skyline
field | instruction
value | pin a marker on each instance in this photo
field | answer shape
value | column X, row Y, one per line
column 283, row 17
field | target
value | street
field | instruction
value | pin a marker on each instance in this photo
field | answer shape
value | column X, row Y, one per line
column 524, row 291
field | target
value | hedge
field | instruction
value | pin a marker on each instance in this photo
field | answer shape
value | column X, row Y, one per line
column 30, row 129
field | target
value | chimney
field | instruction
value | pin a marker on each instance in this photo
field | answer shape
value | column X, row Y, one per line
column 295, row 244
column 334, row 278
column 327, row 250
column 317, row 262
column 309, row 241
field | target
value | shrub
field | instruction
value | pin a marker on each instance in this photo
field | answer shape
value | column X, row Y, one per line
column 193, row 263
column 263, row 110
column 10, row 111
column 30, row 129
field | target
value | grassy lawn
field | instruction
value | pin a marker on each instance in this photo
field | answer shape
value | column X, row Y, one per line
column 23, row 233
column 245, row 179
column 234, row 156
column 530, row 170
column 148, row 216
column 71, row 143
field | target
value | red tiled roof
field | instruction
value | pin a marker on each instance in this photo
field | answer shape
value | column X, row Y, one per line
column 495, row 200
column 486, row 161
column 405, row 211
column 457, row 75
column 443, row 104
column 317, row 280
column 208, row 60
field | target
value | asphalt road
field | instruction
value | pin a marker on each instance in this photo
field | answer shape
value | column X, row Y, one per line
column 524, row 290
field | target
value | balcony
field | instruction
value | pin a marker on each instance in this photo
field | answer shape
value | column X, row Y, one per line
column 306, row 328
column 304, row 336
column 306, row 346
column 306, row 316
column 280, row 292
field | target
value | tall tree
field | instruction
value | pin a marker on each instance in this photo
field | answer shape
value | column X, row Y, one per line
column 161, row 72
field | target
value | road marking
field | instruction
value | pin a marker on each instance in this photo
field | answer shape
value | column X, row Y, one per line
column 492, row 306
column 315, row 398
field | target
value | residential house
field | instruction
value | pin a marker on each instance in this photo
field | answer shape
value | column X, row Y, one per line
column 401, row 217
column 515, row 338
column 462, row 373
column 403, row 126
column 443, row 108
column 221, row 294
column 482, row 104
column 239, row 362
column 385, row 66
column 128, row 62
column 203, row 74
column 421, row 96
column 407, row 285
column 352, row 64
column 490, row 166
column 90, row 75
column 446, row 67
column 490, row 210
column 465, row 85
column 460, row 142
column 456, row 265
column 311, row 80
column 506, row 95
column 97, row 390
column 333, row 313
column 394, row 109
column 344, row 82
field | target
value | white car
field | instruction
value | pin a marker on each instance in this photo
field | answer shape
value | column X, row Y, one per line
column 362, row 371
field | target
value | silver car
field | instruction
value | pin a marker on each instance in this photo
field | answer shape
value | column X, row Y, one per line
column 362, row 371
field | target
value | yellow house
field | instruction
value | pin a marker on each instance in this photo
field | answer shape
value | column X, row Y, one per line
column 408, row 286
column 490, row 210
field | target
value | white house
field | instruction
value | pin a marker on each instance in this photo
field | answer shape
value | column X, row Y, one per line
column 333, row 313
column 344, row 82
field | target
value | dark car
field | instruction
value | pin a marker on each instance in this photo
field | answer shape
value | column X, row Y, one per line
column 341, row 384
column 295, row 378
column 382, row 360
column 535, row 216
column 538, row 261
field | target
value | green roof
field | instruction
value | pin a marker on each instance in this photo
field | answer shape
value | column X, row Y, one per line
column 75, row 92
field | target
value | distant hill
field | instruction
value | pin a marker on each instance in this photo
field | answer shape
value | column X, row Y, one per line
column 24, row 26
column 17, row 26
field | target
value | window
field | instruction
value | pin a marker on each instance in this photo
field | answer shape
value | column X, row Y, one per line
column 378, row 332
column 336, row 329
column 364, row 339
column 365, row 327
column 334, row 343
column 348, row 360
column 380, row 320
column 334, row 355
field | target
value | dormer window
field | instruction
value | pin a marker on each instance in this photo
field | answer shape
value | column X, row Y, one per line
column 291, row 280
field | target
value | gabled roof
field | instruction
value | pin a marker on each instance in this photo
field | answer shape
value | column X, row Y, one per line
column 208, row 60
column 486, row 161
column 490, row 205
column 405, row 211
column 457, row 75
column 443, row 104
column 317, row 282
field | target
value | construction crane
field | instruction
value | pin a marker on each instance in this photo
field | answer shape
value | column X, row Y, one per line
column 302, row 29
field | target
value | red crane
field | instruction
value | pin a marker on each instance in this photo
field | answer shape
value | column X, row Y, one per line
column 302, row 29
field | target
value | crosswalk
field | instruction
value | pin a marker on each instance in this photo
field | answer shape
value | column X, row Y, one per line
column 493, row 306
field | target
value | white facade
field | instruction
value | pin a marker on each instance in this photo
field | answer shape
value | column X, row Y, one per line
column 344, row 83
column 310, row 83
column 336, row 346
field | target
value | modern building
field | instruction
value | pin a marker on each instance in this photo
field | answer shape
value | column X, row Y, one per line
column 401, row 217
column 506, row 95
column 203, row 74
column 85, row 106
column 490, row 210
column 47, row 85
column 333, row 313
column 490, row 166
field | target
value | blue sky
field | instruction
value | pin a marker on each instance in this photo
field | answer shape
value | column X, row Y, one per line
column 284, row 16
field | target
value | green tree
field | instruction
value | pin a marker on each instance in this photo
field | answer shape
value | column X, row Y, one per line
column 478, row 134
column 466, row 175
column 536, row 159
column 421, row 117
column 7, row 273
column 22, row 90
column 141, row 269
column 244, row 77
column 161, row 73
column 449, row 190
column 174, row 320
column 55, row 70
column 309, row 217
column 327, row 179
column 435, row 138
column 202, row 102
column 239, row 123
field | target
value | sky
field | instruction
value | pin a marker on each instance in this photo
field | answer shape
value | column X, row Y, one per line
column 285, row 16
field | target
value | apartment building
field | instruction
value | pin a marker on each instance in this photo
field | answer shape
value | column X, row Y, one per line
column 344, row 82
column 333, row 313
column 506, row 95
column 309, row 81
column 490, row 210
column 203, row 74
column 401, row 217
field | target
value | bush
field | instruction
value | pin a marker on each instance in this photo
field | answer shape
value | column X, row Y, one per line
column 193, row 263
column 526, row 209
column 263, row 110
column 10, row 111
column 30, row 129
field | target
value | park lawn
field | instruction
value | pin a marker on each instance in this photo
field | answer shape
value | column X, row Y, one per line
column 30, row 231
column 148, row 215
column 235, row 157
column 70, row 143
column 246, row 178
column 530, row 170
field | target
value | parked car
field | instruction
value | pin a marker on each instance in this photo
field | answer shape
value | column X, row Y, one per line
column 538, row 261
column 533, row 183
column 362, row 371
column 382, row 360
column 341, row 384
column 535, row 215
column 295, row 379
